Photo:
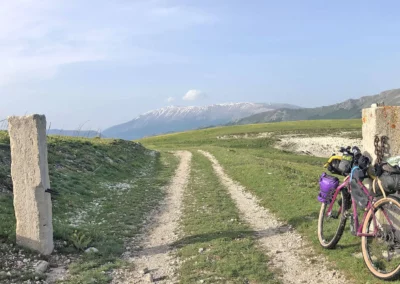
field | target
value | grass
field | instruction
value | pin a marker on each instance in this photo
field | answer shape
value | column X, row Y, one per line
column 211, row 223
column 284, row 182
column 209, row 136
column 106, row 187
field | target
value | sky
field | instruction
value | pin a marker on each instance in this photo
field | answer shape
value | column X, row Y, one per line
column 104, row 62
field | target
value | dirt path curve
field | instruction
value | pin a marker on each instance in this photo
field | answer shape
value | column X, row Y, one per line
column 155, row 262
column 284, row 246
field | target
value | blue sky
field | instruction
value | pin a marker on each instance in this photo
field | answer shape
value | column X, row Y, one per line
column 107, row 61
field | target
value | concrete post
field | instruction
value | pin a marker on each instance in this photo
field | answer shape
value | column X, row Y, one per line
column 30, row 175
column 381, row 121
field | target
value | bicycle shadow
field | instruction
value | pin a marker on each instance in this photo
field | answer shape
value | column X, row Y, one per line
column 348, row 246
column 298, row 221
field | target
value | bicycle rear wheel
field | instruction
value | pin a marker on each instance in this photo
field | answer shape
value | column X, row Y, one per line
column 331, row 226
column 381, row 252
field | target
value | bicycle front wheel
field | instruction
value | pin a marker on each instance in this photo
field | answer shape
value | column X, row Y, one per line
column 381, row 252
column 331, row 224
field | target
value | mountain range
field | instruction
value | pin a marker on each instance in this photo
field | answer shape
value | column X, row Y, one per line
column 74, row 133
column 63, row 132
column 345, row 110
column 178, row 118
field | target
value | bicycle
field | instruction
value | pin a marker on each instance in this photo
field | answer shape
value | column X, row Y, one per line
column 379, row 229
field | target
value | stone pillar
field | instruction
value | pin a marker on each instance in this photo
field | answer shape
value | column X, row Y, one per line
column 30, row 175
column 381, row 121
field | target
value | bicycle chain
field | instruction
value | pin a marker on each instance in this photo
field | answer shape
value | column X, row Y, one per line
column 377, row 150
column 383, row 145
column 380, row 149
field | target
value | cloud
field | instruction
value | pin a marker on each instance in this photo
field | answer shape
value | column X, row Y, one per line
column 29, row 47
column 193, row 95
column 38, row 38
column 170, row 99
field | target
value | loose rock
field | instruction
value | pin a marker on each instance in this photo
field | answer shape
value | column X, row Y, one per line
column 145, row 271
column 41, row 266
column 92, row 250
column 149, row 278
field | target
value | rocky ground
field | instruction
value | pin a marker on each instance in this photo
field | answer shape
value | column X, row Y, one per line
column 315, row 146
column 320, row 146
column 20, row 266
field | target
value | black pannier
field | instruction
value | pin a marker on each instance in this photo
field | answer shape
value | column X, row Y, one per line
column 390, row 182
column 387, row 177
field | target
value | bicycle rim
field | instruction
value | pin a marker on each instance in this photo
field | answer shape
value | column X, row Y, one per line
column 381, row 253
column 330, row 228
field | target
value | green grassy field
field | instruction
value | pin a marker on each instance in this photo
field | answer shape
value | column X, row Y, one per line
column 106, row 187
column 285, row 183
column 209, row 136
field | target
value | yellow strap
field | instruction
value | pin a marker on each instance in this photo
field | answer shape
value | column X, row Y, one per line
column 332, row 158
column 335, row 158
column 370, row 173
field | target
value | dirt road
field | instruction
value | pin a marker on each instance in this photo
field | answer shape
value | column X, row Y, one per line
column 156, row 261
column 290, row 255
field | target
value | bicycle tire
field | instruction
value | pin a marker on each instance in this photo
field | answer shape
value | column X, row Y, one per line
column 368, row 258
column 333, row 240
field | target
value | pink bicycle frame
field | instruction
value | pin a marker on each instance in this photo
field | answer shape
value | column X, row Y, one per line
column 338, row 189
column 358, row 226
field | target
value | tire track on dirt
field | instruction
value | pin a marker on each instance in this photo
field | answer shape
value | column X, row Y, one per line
column 284, row 246
column 155, row 262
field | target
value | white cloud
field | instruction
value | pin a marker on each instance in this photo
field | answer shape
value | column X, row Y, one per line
column 193, row 95
column 170, row 99
column 37, row 38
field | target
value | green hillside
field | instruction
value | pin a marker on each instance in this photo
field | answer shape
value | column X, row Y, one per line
column 345, row 110
column 106, row 189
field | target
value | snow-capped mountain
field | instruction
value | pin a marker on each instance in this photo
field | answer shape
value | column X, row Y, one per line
column 176, row 118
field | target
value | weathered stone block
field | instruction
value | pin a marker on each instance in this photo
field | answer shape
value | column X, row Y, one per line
column 30, row 175
column 381, row 121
